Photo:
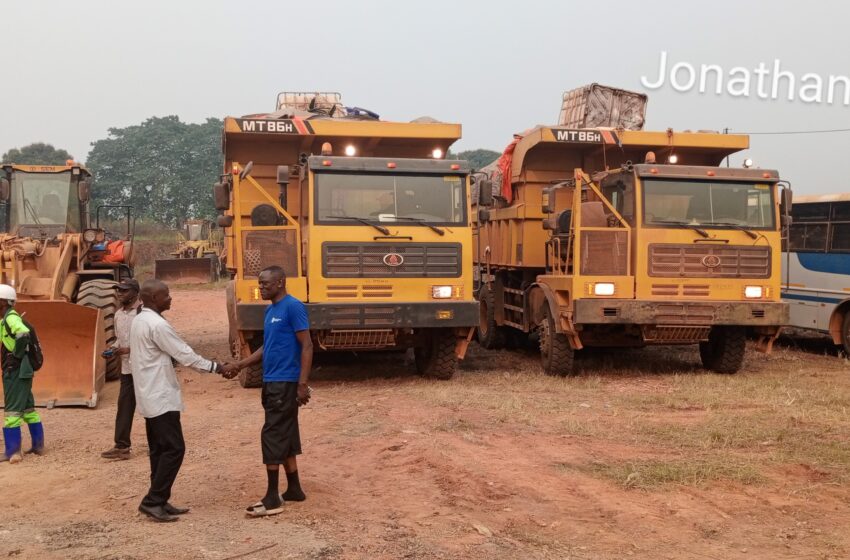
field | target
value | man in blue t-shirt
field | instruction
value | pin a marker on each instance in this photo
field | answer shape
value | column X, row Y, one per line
column 287, row 355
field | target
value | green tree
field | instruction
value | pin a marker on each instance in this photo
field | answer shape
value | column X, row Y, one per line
column 163, row 167
column 37, row 153
column 476, row 158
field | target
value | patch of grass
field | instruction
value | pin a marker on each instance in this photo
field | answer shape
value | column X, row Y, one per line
column 652, row 473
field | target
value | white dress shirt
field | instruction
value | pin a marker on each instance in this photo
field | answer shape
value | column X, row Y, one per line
column 123, row 320
column 153, row 343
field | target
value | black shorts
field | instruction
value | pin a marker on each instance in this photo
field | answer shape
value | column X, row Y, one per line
column 280, row 437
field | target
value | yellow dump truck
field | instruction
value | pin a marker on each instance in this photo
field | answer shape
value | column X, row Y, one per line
column 64, row 271
column 613, row 237
column 368, row 220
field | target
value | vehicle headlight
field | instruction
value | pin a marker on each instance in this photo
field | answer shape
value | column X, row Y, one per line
column 753, row 292
column 441, row 292
column 90, row 235
column 603, row 289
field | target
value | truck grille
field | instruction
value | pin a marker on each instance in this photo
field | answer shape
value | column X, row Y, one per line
column 704, row 261
column 385, row 260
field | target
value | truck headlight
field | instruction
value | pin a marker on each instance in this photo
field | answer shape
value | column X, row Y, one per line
column 753, row 292
column 603, row 289
column 441, row 292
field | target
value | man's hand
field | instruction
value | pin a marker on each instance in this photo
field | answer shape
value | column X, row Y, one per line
column 303, row 394
column 120, row 351
column 229, row 370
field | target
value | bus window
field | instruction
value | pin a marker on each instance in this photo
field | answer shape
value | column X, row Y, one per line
column 818, row 212
column 841, row 211
column 840, row 238
column 808, row 237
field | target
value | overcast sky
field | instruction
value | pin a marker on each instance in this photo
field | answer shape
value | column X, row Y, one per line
column 71, row 70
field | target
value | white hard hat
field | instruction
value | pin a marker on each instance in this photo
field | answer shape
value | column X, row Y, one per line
column 8, row 292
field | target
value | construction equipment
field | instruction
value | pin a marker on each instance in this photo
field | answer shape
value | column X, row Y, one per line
column 579, row 246
column 376, row 242
column 64, row 271
column 197, row 257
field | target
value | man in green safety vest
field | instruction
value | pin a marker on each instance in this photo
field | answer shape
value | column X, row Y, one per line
column 17, row 381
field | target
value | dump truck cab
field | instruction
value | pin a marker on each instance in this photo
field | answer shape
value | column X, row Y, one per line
column 372, row 230
column 583, row 247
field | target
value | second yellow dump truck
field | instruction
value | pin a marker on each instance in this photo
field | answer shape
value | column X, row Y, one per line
column 611, row 237
column 367, row 218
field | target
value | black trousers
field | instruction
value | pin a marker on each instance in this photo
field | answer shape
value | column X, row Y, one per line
column 165, row 440
column 126, row 409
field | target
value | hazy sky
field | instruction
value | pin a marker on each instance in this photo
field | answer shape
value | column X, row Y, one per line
column 71, row 70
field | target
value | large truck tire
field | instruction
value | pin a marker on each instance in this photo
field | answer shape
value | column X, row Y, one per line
column 251, row 377
column 724, row 351
column 490, row 335
column 557, row 355
column 100, row 294
column 436, row 357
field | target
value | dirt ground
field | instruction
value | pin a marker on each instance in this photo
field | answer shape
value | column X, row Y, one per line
column 641, row 455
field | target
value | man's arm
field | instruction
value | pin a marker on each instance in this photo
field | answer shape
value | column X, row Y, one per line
column 254, row 358
column 167, row 339
column 306, row 364
column 19, row 330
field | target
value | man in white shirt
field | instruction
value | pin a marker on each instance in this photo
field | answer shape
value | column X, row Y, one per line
column 153, row 344
column 127, row 292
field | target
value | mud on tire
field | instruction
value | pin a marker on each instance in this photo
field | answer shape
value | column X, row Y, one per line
column 490, row 335
column 724, row 351
column 100, row 294
column 557, row 356
column 437, row 358
column 251, row 377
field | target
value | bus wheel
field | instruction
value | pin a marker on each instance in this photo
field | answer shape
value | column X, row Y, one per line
column 437, row 357
column 845, row 334
column 555, row 350
column 724, row 351
column 490, row 335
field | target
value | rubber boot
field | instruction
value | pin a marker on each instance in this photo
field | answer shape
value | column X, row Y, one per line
column 37, row 435
column 12, row 439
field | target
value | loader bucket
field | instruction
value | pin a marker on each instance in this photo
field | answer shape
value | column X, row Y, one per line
column 185, row 271
column 72, row 339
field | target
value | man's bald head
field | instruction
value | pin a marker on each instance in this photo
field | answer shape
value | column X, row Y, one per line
column 154, row 295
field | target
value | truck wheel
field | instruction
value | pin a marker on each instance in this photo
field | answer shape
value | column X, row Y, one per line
column 724, row 351
column 490, row 335
column 100, row 294
column 437, row 357
column 845, row 334
column 555, row 351
column 251, row 377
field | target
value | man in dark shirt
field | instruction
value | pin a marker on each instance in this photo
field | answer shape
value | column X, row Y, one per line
column 287, row 356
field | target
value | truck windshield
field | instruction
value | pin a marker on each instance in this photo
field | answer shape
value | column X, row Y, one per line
column 669, row 202
column 43, row 199
column 381, row 197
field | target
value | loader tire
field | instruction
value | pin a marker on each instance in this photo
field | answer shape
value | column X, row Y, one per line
column 490, row 335
column 724, row 351
column 556, row 354
column 251, row 377
column 437, row 357
column 100, row 294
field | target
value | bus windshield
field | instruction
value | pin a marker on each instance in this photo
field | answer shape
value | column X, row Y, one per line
column 43, row 199
column 708, row 204
column 381, row 197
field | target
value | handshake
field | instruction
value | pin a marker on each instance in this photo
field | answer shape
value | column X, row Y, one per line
column 228, row 370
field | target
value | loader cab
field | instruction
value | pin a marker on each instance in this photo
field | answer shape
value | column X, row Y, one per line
column 43, row 201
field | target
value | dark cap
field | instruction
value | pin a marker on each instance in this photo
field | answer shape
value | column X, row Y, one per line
column 127, row 284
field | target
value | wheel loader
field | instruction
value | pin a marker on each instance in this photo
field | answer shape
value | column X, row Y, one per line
column 197, row 259
column 64, row 271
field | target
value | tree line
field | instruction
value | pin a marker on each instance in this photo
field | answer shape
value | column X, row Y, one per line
column 164, row 168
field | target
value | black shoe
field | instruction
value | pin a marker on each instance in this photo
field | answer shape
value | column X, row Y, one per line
column 294, row 495
column 172, row 510
column 157, row 513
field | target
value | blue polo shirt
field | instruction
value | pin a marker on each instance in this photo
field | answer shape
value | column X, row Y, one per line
column 281, row 349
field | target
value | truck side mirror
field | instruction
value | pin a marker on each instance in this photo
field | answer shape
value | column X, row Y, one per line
column 84, row 191
column 786, row 197
column 221, row 196
column 5, row 189
column 282, row 182
column 485, row 192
